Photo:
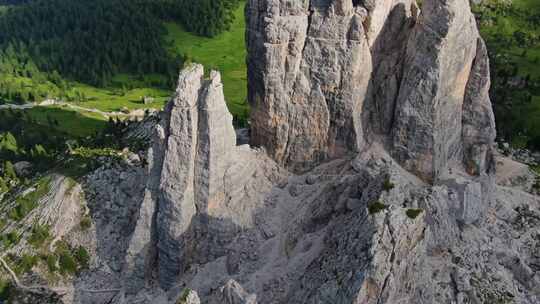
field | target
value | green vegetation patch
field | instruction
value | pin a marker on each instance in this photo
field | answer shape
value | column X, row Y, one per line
column 94, row 40
column 67, row 263
column 39, row 235
column 10, row 239
column 388, row 185
column 22, row 264
column 511, row 30
column 70, row 261
column 69, row 121
column 86, row 223
column 225, row 52
column 126, row 93
column 26, row 263
column 85, row 159
column 376, row 207
column 52, row 263
column 413, row 213
column 5, row 289
column 82, row 257
column 25, row 204
column 184, row 296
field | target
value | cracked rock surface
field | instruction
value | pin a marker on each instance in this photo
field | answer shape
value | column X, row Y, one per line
column 328, row 77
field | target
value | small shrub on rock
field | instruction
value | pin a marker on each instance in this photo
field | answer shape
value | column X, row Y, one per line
column 51, row 261
column 26, row 263
column 413, row 213
column 10, row 239
column 40, row 233
column 388, row 185
column 184, row 296
column 5, row 290
column 376, row 207
column 86, row 223
column 82, row 257
column 67, row 263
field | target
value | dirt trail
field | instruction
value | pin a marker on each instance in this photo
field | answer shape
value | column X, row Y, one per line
column 139, row 113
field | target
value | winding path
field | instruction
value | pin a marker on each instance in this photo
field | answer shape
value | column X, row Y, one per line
column 135, row 113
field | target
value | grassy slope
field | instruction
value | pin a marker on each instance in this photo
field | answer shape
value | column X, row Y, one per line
column 75, row 123
column 70, row 122
column 508, row 25
column 226, row 52
column 108, row 100
column 528, row 65
column 85, row 123
column 528, row 4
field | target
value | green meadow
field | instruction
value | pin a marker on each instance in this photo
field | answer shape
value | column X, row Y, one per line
column 224, row 52
column 500, row 28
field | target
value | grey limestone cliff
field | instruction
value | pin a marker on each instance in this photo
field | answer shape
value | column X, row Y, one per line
column 328, row 78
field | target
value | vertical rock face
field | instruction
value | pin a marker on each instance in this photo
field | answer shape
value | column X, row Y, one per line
column 216, row 138
column 440, row 54
column 328, row 77
column 389, row 26
column 176, row 203
column 308, row 69
column 478, row 118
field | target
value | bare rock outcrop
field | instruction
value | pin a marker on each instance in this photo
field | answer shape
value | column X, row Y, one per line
column 478, row 129
column 308, row 67
column 198, row 180
column 328, row 78
column 365, row 230
column 429, row 115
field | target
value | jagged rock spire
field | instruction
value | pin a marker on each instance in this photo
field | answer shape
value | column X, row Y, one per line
column 200, row 188
column 188, row 163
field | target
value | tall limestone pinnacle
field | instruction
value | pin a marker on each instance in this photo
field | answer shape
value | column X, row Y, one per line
column 330, row 77
column 197, row 180
column 189, row 158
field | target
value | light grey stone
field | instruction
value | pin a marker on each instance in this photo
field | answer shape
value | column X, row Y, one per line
column 327, row 78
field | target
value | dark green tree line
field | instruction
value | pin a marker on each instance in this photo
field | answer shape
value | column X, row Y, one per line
column 89, row 41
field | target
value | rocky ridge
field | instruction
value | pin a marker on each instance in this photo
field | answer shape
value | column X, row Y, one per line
column 356, row 229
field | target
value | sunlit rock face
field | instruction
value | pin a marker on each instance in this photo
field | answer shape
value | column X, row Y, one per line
column 197, row 184
column 328, row 78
